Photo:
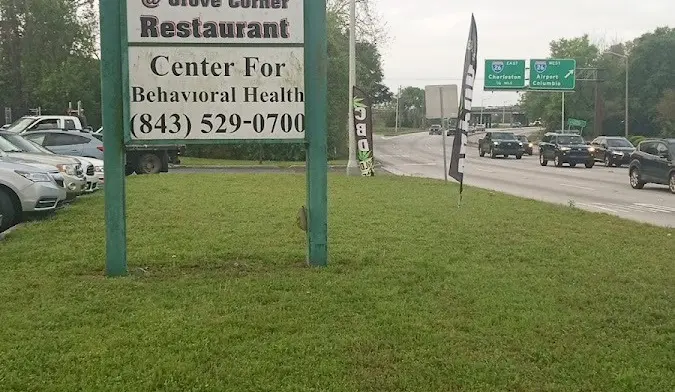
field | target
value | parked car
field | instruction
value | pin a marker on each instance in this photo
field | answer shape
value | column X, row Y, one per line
column 653, row 162
column 565, row 148
column 500, row 143
column 26, row 189
column 527, row 145
column 68, row 142
column 70, row 169
column 92, row 168
column 612, row 150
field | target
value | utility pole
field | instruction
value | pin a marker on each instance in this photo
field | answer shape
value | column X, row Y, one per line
column 625, row 112
column 398, row 96
column 352, row 166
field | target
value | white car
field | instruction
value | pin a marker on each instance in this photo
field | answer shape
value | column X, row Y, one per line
column 28, row 189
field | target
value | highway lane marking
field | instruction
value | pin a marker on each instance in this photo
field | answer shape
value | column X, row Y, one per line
column 579, row 187
column 598, row 207
column 483, row 170
column 635, row 207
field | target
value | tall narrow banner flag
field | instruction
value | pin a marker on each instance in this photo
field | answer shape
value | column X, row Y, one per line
column 458, row 157
column 363, row 128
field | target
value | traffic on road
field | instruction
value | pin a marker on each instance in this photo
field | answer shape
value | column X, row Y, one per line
column 601, row 175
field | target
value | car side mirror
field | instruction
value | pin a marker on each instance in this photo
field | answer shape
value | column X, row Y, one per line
column 664, row 155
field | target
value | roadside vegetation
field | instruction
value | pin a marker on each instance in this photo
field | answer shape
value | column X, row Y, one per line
column 431, row 298
column 211, row 162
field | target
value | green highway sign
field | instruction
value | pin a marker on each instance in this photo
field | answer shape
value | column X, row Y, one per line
column 553, row 74
column 573, row 122
column 504, row 75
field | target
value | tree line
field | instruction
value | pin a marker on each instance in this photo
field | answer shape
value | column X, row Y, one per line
column 600, row 100
column 49, row 57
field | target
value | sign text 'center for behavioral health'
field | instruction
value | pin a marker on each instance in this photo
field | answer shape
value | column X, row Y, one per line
column 192, row 85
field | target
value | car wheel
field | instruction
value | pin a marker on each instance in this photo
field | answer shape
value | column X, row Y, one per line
column 529, row 153
column 635, row 180
column 493, row 155
column 8, row 213
column 149, row 164
column 590, row 164
column 671, row 183
column 608, row 162
column 519, row 156
column 557, row 161
column 573, row 164
column 481, row 152
column 542, row 160
column 506, row 155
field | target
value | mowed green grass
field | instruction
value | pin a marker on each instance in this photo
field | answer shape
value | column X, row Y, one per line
column 502, row 294
column 392, row 131
column 196, row 162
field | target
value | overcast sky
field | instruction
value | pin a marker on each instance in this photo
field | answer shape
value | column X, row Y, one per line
column 427, row 38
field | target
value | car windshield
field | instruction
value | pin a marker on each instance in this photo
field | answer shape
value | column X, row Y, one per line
column 570, row 139
column 8, row 147
column 503, row 136
column 618, row 143
column 19, row 125
column 24, row 144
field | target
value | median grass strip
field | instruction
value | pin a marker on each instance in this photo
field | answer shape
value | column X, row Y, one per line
column 392, row 131
column 212, row 162
column 500, row 294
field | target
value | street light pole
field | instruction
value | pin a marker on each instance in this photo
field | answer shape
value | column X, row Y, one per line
column 352, row 165
column 625, row 114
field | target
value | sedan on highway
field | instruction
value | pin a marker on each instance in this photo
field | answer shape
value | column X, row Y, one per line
column 565, row 148
column 612, row 150
column 528, row 146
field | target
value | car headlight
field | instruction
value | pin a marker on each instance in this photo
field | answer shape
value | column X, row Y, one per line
column 591, row 149
column 564, row 148
column 70, row 170
column 617, row 153
column 98, row 168
column 34, row 176
column 530, row 145
column 520, row 144
column 495, row 143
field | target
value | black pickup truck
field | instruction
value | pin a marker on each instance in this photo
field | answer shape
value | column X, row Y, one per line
column 500, row 143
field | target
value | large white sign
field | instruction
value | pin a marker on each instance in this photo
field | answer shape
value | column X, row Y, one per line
column 192, row 85
column 215, row 21
column 432, row 101
column 216, row 93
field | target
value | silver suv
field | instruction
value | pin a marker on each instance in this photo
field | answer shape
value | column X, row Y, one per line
column 70, row 169
column 28, row 189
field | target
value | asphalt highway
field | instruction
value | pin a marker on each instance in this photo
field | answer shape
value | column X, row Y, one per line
column 599, row 189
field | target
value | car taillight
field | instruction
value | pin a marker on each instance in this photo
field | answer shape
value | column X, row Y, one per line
column 100, row 148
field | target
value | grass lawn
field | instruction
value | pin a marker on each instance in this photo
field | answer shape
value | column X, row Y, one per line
column 192, row 161
column 502, row 294
column 386, row 131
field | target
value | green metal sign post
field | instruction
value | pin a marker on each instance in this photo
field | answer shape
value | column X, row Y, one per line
column 553, row 74
column 169, row 81
column 113, row 138
column 504, row 75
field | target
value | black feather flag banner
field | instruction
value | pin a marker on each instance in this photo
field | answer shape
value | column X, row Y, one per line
column 464, row 113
